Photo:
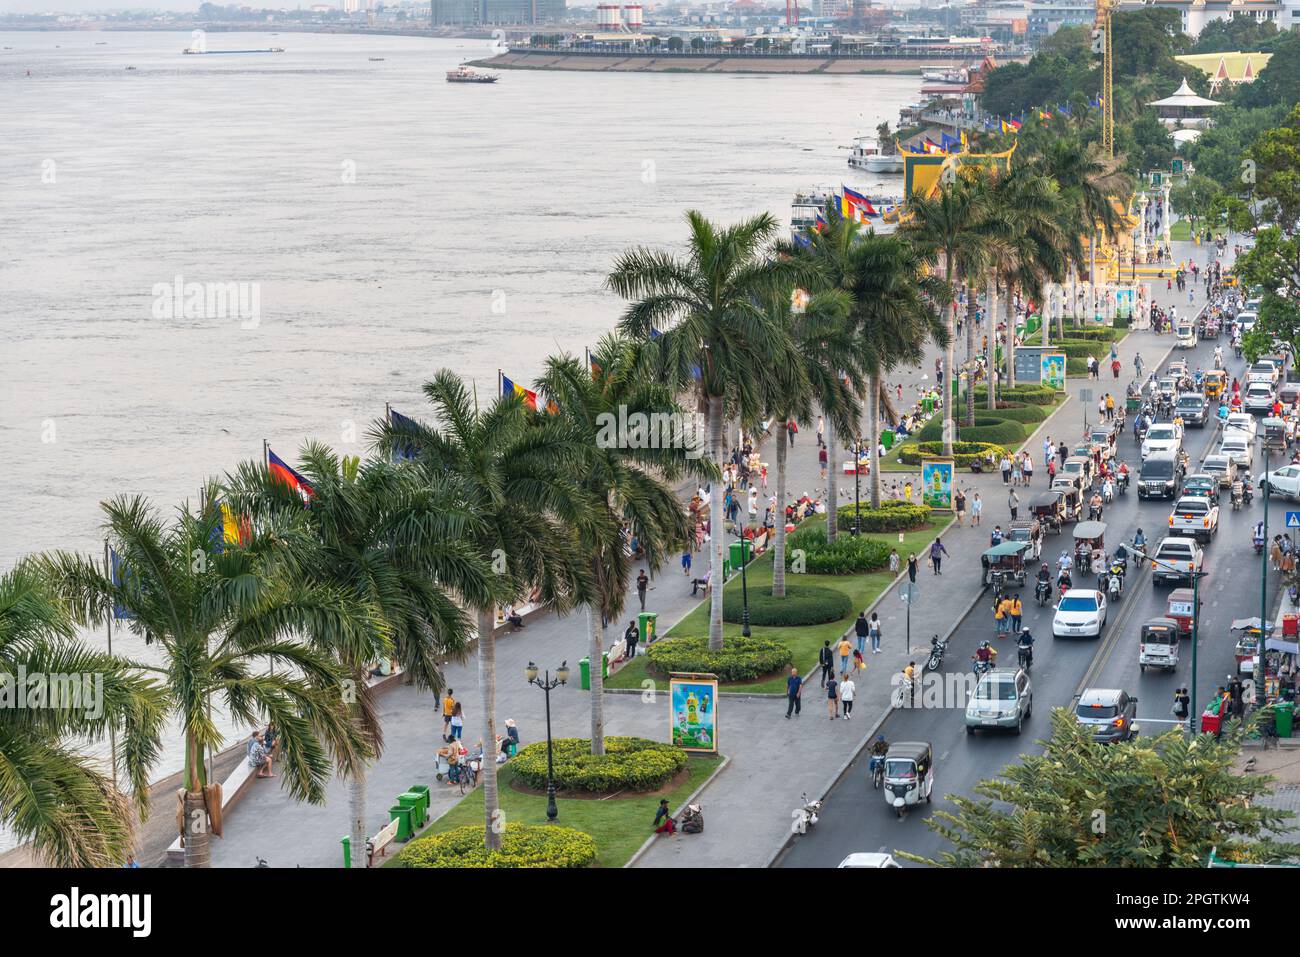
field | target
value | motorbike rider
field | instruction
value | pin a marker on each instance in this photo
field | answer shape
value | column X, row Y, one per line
column 1139, row 540
column 1257, row 536
column 1094, row 506
column 1025, row 644
column 1121, row 475
column 984, row 657
column 879, row 748
column 1044, row 580
column 1218, row 357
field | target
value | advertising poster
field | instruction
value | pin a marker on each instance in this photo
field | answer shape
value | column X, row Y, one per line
column 936, row 482
column 1124, row 302
column 694, row 715
column 1053, row 371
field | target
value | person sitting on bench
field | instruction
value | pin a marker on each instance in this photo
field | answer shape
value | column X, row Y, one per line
column 698, row 583
column 514, row 617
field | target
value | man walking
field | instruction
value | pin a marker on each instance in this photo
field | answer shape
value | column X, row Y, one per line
column 793, row 692
column 846, row 652
column 847, row 690
column 937, row 551
column 861, row 628
column 826, row 658
column 1013, row 502
column 911, row 568
column 630, row 638
column 642, row 583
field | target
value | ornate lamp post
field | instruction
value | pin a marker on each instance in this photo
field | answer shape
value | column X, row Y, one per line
column 546, row 684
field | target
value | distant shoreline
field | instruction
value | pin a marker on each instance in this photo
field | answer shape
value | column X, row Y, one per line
column 783, row 65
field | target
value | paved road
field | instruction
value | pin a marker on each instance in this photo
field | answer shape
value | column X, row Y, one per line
column 855, row 817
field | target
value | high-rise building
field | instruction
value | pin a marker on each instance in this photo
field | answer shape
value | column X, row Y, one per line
column 495, row 12
column 351, row 6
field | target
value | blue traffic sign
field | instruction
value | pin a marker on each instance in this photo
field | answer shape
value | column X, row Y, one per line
column 1293, row 519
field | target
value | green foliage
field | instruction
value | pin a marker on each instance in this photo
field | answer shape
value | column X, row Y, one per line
column 522, row 845
column 892, row 516
column 1279, row 82
column 1019, row 412
column 1218, row 152
column 847, row 555
column 807, row 604
column 1156, row 802
column 743, row 659
column 1239, row 33
column 963, row 452
column 1036, row 394
column 635, row 764
column 1004, row 432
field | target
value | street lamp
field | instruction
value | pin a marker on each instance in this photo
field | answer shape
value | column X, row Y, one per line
column 546, row 684
column 1193, row 716
column 857, row 496
column 1263, row 591
column 744, row 585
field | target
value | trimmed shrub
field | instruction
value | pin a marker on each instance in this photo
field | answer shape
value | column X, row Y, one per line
column 933, row 430
column 522, row 845
column 636, row 764
column 847, row 555
column 1036, row 394
column 892, row 516
column 1003, row 432
column 1075, row 366
column 1020, row 412
column 802, row 604
column 741, row 659
column 963, row 452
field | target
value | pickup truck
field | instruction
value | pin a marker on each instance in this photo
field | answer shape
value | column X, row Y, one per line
column 1175, row 559
column 1192, row 408
column 1194, row 516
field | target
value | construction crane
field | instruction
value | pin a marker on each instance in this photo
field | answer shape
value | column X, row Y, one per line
column 1101, row 44
column 791, row 13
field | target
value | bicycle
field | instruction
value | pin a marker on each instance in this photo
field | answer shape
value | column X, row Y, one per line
column 904, row 690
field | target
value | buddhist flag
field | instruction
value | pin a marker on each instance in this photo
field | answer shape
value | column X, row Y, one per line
column 284, row 473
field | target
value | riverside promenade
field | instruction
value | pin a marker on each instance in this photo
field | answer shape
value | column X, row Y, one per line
column 772, row 760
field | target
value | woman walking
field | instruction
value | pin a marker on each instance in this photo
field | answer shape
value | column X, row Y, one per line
column 937, row 551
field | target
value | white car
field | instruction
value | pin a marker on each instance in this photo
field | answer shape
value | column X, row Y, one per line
column 1241, row 422
column 869, row 859
column 1164, row 437
column 1194, row 516
column 1259, row 397
column 1082, row 611
column 1246, row 319
column 1176, row 559
column 1238, row 448
column 1262, row 371
column 1285, row 481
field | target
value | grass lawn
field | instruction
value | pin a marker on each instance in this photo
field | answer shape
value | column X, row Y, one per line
column 1181, row 230
column 619, row 825
column 805, row 641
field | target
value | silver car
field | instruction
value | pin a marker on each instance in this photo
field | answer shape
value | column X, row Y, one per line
column 1003, row 698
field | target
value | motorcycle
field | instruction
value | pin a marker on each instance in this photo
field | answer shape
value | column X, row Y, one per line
column 981, row 667
column 1121, row 483
column 877, row 764
column 1237, row 496
column 806, row 816
column 1247, row 494
column 1257, row 542
column 937, row 647
column 1025, row 656
column 1043, row 593
column 1114, row 587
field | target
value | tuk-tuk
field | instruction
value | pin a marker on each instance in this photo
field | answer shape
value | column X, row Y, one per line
column 1274, row 433
column 1026, row 531
column 1215, row 382
column 1133, row 397
column 1071, row 490
column 1005, row 564
column 1049, row 511
column 1159, row 644
column 1248, row 642
column 1089, row 537
column 1186, row 335
column 909, row 774
column 1181, row 609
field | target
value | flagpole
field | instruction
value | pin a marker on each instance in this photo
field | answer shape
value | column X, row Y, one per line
column 112, row 731
column 266, row 460
column 203, row 510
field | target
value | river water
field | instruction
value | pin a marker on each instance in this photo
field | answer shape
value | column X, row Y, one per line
column 383, row 222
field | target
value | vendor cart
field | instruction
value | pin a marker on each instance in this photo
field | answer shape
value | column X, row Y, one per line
column 1182, row 610
column 1248, row 632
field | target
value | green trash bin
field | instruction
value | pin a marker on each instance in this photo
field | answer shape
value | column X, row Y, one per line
column 887, row 439
column 347, row 851
column 927, row 404
column 647, row 627
column 402, row 815
column 1285, row 718
column 423, row 791
column 740, row 553
column 584, row 674
column 414, row 801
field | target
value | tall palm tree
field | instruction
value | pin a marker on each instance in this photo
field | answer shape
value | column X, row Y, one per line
column 50, row 793
column 946, row 227
column 705, row 312
column 629, row 473
column 395, row 542
column 518, row 472
column 219, row 620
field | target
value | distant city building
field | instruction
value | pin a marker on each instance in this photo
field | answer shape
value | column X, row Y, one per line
column 351, row 6
column 1048, row 16
column 495, row 12
column 1197, row 13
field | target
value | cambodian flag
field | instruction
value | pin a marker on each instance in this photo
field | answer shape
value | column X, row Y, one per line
column 281, row 470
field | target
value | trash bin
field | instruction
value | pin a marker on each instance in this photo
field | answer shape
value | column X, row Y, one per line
column 584, row 674
column 1285, row 718
column 740, row 553
column 646, row 625
column 423, row 791
column 409, row 799
column 887, row 439
column 927, row 404
column 402, row 815
column 347, row 851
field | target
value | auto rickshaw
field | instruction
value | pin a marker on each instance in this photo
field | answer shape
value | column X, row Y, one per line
column 1215, row 382
column 1071, row 491
column 1049, row 511
column 1182, row 609
column 1248, row 642
column 909, row 774
column 1027, row 530
column 1274, row 433
column 1186, row 335
column 1089, row 537
column 1158, row 646
column 1005, row 564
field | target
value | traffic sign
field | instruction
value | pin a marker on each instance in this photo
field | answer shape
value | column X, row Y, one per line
column 1085, row 395
column 909, row 592
column 1293, row 519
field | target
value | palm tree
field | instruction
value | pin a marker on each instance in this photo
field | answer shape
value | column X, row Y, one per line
column 50, row 793
column 518, row 472
column 629, row 474
column 946, row 227
column 395, row 542
column 716, row 338
column 218, row 620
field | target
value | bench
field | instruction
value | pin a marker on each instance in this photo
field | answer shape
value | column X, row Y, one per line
column 378, row 843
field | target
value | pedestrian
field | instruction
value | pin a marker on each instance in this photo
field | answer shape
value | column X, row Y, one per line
column 959, row 505
column 793, row 692
column 457, row 721
column 826, row 658
column 1048, row 449
column 1017, row 476
column 937, row 551
column 976, row 506
column 893, row 561
column 911, row 567
column 861, row 628
column 791, row 427
column 1016, row 609
column 664, row 823
column 1003, row 616
column 1027, row 468
column 821, row 431
column 1013, row 503
column 847, row 690
column 1004, row 466
column 686, row 561
column 1182, row 704
column 995, row 539
column 845, row 649
column 821, row 460
column 448, row 707
column 1115, row 367
column 1063, row 452
column 874, row 630
column 630, row 639
column 642, row 583
column 832, row 699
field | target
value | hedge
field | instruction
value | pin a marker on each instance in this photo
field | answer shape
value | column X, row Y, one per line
column 847, row 555
column 963, row 452
column 522, row 845
column 741, row 659
column 933, row 430
column 1075, row 366
column 802, row 604
column 892, row 516
column 1001, row 433
column 636, row 764
column 1036, row 394
column 1019, row 412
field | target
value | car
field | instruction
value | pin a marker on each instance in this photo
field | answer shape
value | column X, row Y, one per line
column 1108, row 713
column 1161, row 476
column 1193, row 409
column 1162, row 437
column 1177, row 369
column 1078, row 467
column 1080, row 612
column 1004, row 698
column 1262, row 371
column 1242, row 422
column 1222, row 467
column 869, row 859
column 1240, row 449
column 1258, row 398
column 1251, row 305
column 1176, row 559
column 1194, row 516
column 1289, row 392
column 1246, row 319
column 1284, row 481
column 1204, row 484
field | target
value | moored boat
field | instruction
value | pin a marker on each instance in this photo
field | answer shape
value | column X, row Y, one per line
column 464, row 74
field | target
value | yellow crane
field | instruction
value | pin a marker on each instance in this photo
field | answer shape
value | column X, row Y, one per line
column 1101, row 45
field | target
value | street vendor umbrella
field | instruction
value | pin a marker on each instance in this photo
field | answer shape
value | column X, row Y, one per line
column 1250, row 624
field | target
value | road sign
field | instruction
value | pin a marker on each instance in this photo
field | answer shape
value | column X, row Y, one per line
column 1293, row 519
column 909, row 592
column 1177, row 167
column 1085, row 395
